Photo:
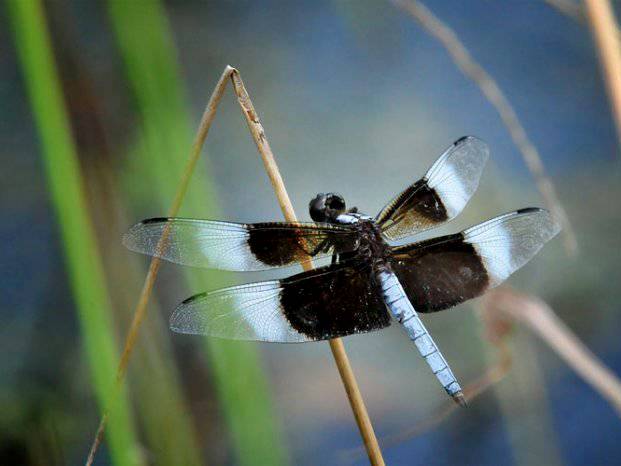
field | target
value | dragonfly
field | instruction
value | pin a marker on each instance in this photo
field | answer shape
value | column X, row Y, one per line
column 368, row 283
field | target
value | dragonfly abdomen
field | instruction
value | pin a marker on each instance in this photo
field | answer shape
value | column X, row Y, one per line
column 401, row 308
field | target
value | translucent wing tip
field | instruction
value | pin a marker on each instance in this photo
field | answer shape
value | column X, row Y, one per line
column 507, row 242
column 475, row 146
column 455, row 175
column 472, row 140
column 182, row 319
column 548, row 226
column 131, row 236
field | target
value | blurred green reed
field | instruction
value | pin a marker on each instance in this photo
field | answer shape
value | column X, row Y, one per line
column 162, row 147
column 160, row 151
column 83, row 263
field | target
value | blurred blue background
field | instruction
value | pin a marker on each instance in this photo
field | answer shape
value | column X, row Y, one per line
column 357, row 98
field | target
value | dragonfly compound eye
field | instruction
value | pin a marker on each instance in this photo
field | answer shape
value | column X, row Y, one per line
column 317, row 208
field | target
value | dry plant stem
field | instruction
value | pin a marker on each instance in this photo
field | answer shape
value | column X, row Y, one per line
column 490, row 89
column 575, row 11
column 542, row 320
column 141, row 308
column 201, row 134
column 336, row 345
column 601, row 18
column 258, row 135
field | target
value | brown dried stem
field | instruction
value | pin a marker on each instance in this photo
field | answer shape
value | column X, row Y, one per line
column 258, row 134
column 336, row 345
column 575, row 11
column 490, row 89
column 141, row 307
column 542, row 320
column 601, row 18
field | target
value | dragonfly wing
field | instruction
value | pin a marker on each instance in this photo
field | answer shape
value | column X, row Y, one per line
column 440, row 195
column 442, row 272
column 324, row 303
column 237, row 246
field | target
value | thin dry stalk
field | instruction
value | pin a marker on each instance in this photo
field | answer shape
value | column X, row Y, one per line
column 605, row 31
column 574, row 11
column 336, row 345
column 490, row 89
column 542, row 320
column 141, row 308
column 258, row 134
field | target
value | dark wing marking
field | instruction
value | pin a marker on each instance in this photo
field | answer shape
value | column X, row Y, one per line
column 238, row 246
column 328, row 302
column 440, row 195
column 442, row 272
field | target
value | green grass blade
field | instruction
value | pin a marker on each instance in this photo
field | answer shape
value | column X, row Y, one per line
column 145, row 41
column 83, row 263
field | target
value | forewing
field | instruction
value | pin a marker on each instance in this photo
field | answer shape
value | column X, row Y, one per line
column 442, row 272
column 328, row 302
column 440, row 195
column 237, row 246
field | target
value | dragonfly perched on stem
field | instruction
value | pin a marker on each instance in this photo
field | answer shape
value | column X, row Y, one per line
column 369, row 284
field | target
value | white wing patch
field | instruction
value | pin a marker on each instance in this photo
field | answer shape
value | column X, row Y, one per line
column 455, row 175
column 246, row 312
column 507, row 242
column 198, row 243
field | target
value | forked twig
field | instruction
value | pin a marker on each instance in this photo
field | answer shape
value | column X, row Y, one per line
column 542, row 320
column 141, row 308
column 490, row 89
column 258, row 134
column 601, row 18
column 336, row 345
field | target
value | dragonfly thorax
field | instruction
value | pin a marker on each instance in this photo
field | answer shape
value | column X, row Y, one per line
column 371, row 246
column 352, row 218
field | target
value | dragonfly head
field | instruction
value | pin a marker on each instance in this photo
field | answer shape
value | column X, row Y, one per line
column 325, row 207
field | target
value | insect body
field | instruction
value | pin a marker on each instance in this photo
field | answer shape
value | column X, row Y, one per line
column 368, row 283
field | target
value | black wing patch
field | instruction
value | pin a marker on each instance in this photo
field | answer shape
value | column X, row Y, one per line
column 237, row 246
column 440, row 195
column 442, row 272
column 328, row 302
